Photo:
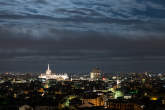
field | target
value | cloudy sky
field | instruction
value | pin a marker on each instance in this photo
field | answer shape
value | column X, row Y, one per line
column 76, row 35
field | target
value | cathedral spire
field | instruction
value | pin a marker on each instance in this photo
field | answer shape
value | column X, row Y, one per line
column 48, row 66
column 48, row 71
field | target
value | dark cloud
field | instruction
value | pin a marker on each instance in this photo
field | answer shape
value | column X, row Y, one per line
column 121, row 35
column 89, row 48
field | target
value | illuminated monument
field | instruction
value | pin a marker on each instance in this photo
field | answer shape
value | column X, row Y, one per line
column 50, row 75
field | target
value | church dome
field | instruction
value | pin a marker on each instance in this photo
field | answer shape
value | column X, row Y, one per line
column 96, row 70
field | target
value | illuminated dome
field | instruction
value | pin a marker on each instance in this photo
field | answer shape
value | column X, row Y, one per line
column 95, row 74
column 96, row 70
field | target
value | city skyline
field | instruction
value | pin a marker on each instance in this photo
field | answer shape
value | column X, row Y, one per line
column 76, row 35
column 82, row 54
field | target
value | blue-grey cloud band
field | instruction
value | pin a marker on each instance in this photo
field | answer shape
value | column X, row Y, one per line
column 119, row 35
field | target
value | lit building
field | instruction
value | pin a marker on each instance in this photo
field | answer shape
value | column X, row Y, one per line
column 95, row 74
column 50, row 75
column 93, row 99
column 122, row 105
column 118, row 94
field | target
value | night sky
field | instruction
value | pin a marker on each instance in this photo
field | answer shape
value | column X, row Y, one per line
column 77, row 35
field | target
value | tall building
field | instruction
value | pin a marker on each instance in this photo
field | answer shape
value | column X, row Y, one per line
column 48, row 71
column 50, row 75
column 95, row 74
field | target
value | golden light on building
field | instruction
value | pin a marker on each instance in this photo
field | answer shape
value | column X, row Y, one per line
column 15, row 95
column 41, row 90
column 58, row 92
column 98, row 101
column 26, row 92
column 46, row 86
column 154, row 98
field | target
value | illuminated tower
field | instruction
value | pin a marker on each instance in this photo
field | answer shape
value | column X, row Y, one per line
column 118, row 82
column 48, row 71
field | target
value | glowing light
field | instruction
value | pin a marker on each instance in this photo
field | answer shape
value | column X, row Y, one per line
column 118, row 94
column 49, row 75
column 154, row 98
column 41, row 90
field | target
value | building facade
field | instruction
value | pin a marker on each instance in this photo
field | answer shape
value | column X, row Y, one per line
column 95, row 74
column 49, row 75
